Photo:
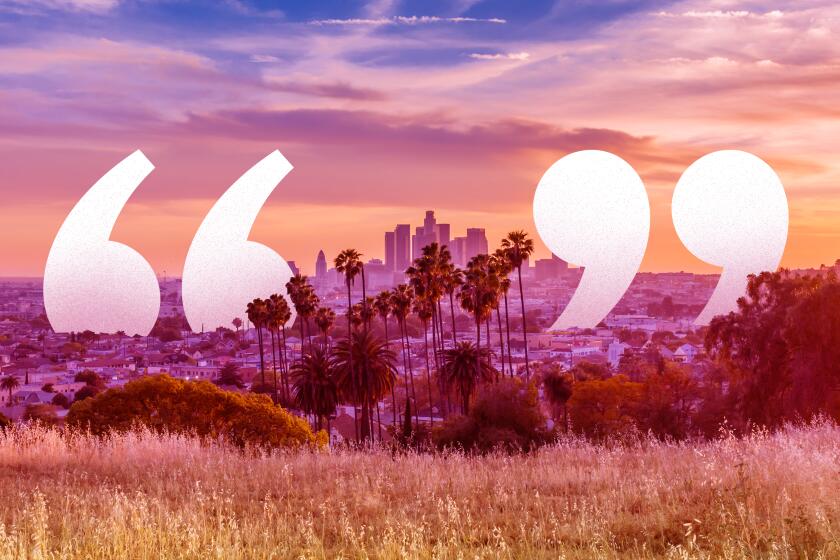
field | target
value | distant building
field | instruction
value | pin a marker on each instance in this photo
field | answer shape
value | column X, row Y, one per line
column 547, row 269
column 402, row 247
column 475, row 243
column 293, row 266
column 391, row 250
column 458, row 249
column 321, row 266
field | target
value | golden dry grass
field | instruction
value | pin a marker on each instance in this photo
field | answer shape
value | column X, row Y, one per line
column 145, row 496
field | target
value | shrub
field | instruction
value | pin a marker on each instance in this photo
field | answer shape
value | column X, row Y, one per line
column 61, row 400
column 506, row 415
column 41, row 413
column 164, row 404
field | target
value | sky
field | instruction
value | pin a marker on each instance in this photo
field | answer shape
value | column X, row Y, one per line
column 387, row 108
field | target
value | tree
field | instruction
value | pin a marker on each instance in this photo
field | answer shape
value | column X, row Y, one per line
column 229, row 376
column 780, row 348
column 237, row 324
column 41, row 413
column 349, row 263
column 365, row 372
column 463, row 367
column 605, row 407
column 305, row 301
column 9, row 383
column 60, row 399
column 281, row 314
column 324, row 320
column 86, row 392
column 90, row 378
column 382, row 305
column 476, row 297
column 506, row 416
column 257, row 314
column 504, row 267
column 519, row 247
column 557, row 385
column 314, row 388
column 402, row 299
column 167, row 405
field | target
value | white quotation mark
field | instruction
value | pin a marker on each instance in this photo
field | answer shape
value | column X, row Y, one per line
column 591, row 209
column 223, row 268
column 729, row 209
column 91, row 282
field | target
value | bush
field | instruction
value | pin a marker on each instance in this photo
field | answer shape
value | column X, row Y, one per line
column 41, row 413
column 164, row 404
column 61, row 400
column 505, row 415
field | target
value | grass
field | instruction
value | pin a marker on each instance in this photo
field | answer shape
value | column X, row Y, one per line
column 145, row 496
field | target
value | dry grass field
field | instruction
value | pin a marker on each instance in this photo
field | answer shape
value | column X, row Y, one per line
column 146, row 496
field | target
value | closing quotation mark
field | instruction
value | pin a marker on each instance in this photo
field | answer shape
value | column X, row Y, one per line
column 91, row 282
column 729, row 209
column 591, row 209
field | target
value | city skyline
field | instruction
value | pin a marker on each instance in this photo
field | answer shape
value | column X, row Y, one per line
column 383, row 113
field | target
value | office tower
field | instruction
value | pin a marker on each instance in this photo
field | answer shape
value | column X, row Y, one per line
column 476, row 243
column 402, row 252
column 429, row 222
column 562, row 266
column 458, row 249
column 321, row 266
column 293, row 266
column 443, row 234
column 390, row 250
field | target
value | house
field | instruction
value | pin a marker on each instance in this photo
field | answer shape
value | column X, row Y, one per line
column 686, row 353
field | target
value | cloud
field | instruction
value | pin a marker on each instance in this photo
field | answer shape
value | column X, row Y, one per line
column 722, row 14
column 500, row 56
column 29, row 6
column 405, row 20
column 264, row 58
column 337, row 90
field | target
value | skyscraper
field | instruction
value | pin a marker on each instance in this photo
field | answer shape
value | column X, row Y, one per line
column 402, row 250
column 476, row 243
column 321, row 266
column 390, row 250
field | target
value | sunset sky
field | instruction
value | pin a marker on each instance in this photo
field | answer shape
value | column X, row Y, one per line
column 387, row 108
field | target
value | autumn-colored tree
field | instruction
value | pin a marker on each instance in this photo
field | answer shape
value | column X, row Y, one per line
column 167, row 405
column 605, row 407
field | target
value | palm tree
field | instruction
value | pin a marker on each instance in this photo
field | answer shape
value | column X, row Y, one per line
column 382, row 305
column 349, row 263
column 452, row 277
column 423, row 310
column 9, row 383
column 282, row 315
column 279, row 315
column 463, row 367
column 365, row 371
column 237, row 324
column 256, row 312
column 519, row 247
column 306, row 301
column 476, row 295
column 502, row 268
column 402, row 298
column 314, row 388
column 271, row 326
column 324, row 319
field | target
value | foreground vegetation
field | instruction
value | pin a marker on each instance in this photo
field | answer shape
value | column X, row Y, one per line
column 139, row 494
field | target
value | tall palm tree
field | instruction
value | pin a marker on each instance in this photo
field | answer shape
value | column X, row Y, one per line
column 519, row 247
column 324, row 320
column 426, row 280
column 365, row 371
column 256, row 312
column 271, row 326
column 423, row 309
column 557, row 386
column 281, row 313
column 314, row 388
column 452, row 277
column 402, row 298
column 306, row 302
column 349, row 263
column 382, row 305
column 476, row 296
column 9, row 383
column 502, row 268
column 463, row 367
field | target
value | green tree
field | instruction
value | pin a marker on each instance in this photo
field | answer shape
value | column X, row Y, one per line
column 314, row 388
column 9, row 383
column 349, row 263
column 229, row 375
column 463, row 368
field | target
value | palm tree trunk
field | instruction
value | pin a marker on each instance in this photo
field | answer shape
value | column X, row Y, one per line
column 274, row 364
column 477, row 350
column 262, row 361
column 524, row 326
column 285, row 366
column 452, row 311
column 393, row 385
column 350, row 353
column 411, row 375
column 501, row 340
column 428, row 375
column 507, row 329
column 440, row 325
